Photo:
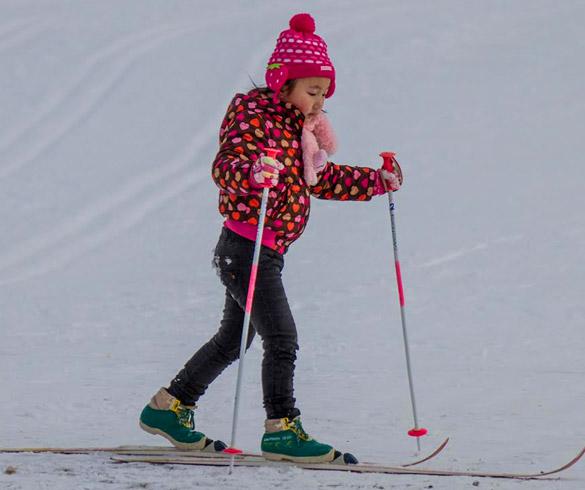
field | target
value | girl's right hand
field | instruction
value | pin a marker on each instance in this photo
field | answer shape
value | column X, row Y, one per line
column 265, row 171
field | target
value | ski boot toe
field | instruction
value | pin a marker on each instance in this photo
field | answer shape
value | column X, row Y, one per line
column 344, row 458
column 349, row 458
column 216, row 446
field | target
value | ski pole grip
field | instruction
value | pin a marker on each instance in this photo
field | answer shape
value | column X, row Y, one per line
column 388, row 157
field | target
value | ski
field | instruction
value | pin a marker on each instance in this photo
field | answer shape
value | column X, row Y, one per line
column 171, row 455
column 429, row 457
column 258, row 461
column 172, row 452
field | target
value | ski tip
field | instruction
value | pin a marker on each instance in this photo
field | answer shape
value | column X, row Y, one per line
column 430, row 456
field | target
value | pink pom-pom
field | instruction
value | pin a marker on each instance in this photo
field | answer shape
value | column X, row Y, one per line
column 302, row 23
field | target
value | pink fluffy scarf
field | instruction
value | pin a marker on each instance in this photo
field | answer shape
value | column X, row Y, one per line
column 318, row 143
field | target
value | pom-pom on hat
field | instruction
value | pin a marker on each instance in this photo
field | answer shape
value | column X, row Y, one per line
column 299, row 53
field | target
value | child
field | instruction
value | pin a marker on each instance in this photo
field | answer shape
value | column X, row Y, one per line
column 287, row 115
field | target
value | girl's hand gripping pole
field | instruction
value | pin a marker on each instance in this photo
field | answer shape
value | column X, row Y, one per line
column 232, row 449
column 416, row 431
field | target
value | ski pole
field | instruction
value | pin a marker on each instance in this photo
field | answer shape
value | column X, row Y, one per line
column 416, row 431
column 232, row 449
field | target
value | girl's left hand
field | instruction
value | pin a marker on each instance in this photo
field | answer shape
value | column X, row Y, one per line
column 389, row 181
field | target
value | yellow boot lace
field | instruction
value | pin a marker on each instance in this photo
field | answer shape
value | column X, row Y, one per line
column 184, row 414
column 296, row 427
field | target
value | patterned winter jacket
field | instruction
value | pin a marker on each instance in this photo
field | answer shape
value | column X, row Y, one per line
column 252, row 122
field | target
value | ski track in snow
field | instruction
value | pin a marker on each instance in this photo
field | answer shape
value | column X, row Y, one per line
column 126, row 207
column 16, row 34
column 450, row 257
column 8, row 28
column 80, row 77
column 96, row 86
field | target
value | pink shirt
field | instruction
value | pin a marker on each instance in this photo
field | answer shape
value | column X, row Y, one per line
column 250, row 231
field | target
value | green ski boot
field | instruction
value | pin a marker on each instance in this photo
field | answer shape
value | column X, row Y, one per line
column 166, row 416
column 286, row 439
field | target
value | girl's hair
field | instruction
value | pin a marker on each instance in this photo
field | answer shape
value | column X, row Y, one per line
column 287, row 87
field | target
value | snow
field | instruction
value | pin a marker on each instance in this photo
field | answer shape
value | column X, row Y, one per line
column 109, row 119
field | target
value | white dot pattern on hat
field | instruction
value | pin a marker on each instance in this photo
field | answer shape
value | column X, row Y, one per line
column 309, row 48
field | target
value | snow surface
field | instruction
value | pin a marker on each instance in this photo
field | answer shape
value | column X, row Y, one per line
column 109, row 113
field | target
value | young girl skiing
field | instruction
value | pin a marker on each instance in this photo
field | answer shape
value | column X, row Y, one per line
column 287, row 115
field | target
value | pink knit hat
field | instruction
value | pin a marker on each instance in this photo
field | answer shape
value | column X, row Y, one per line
column 299, row 53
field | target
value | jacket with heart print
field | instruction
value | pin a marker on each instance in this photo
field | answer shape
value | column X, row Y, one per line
column 254, row 122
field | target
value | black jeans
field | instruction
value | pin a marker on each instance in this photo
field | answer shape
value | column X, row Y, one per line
column 271, row 319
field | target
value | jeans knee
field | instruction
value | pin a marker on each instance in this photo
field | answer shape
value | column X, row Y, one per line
column 281, row 348
column 231, row 350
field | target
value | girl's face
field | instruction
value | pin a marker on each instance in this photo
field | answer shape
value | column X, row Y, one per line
column 307, row 94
